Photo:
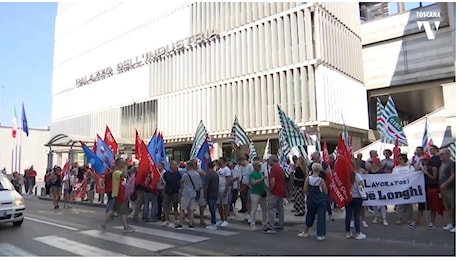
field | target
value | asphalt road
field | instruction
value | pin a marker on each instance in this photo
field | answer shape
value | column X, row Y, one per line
column 73, row 232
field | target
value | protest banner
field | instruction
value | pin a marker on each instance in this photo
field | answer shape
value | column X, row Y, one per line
column 394, row 189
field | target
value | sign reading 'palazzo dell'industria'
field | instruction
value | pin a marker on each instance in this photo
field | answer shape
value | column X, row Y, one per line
column 148, row 57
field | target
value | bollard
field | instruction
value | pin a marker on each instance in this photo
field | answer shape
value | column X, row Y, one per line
column 35, row 190
column 42, row 192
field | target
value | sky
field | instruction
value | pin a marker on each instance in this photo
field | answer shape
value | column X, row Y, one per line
column 26, row 61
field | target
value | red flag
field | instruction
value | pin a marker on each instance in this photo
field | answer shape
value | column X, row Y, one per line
column 147, row 173
column 339, row 181
column 79, row 190
column 110, row 140
column 95, row 146
column 325, row 152
column 65, row 168
column 396, row 152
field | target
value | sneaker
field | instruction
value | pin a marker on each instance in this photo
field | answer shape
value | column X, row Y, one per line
column 360, row 236
column 352, row 224
column 448, row 227
column 319, row 238
column 212, row 227
column 103, row 228
column 348, row 235
column 128, row 229
column 376, row 220
column 178, row 226
column 280, row 229
column 253, row 227
column 165, row 224
column 191, row 227
column 302, row 234
column 364, row 224
column 269, row 231
column 431, row 226
column 385, row 222
column 219, row 223
column 224, row 224
column 452, row 230
column 413, row 224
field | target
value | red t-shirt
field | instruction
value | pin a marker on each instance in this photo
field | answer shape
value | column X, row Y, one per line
column 31, row 173
column 121, row 192
column 277, row 173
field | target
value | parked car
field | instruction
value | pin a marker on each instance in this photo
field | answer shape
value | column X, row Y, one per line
column 12, row 207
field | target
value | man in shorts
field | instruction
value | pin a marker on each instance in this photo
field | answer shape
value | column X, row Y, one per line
column 171, row 181
column 118, row 196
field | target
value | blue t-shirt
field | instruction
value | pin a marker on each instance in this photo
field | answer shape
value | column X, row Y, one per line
column 172, row 182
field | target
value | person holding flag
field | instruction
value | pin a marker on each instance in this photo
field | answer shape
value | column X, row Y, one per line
column 118, row 196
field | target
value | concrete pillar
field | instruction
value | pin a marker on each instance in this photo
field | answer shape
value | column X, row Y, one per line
column 449, row 94
column 218, row 152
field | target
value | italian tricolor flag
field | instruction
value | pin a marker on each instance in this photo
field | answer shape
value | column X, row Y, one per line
column 14, row 129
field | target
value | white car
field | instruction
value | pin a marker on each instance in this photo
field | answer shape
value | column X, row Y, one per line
column 12, row 207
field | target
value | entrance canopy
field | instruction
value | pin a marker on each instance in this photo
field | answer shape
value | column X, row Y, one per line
column 65, row 140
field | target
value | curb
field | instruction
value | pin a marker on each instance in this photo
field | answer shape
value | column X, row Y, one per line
column 84, row 203
column 99, row 205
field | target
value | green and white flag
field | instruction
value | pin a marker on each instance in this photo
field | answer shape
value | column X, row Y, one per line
column 238, row 136
column 200, row 136
column 452, row 148
column 394, row 129
column 292, row 133
column 252, row 151
column 283, row 145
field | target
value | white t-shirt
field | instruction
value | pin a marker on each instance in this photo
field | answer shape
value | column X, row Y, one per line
column 223, row 173
column 245, row 171
column 354, row 188
column 403, row 169
column 236, row 174
column 417, row 162
column 66, row 179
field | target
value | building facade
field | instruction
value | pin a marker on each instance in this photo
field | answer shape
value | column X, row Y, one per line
column 139, row 65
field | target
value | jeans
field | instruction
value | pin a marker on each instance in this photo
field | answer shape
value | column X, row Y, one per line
column 380, row 211
column 275, row 204
column 212, row 203
column 257, row 200
column 317, row 209
column 109, row 204
column 354, row 207
column 150, row 198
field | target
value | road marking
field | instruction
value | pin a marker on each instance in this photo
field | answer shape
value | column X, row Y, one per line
column 180, row 253
column 200, row 252
column 168, row 234
column 75, row 247
column 51, row 224
column 7, row 249
column 51, row 212
column 127, row 240
column 57, row 221
column 202, row 230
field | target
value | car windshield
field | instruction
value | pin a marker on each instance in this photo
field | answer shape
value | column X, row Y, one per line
column 5, row 183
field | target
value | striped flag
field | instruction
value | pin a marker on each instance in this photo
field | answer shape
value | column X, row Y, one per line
column 427, row 140
column 393, row 124
column 308, row 138
column 283, row 145
column 381, row 119
column 238, row 136
column 452, row 148
column 252, row 151
column 294, row 137
column 200, row 136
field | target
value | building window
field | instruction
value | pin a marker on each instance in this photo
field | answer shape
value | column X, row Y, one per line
column 393, row 8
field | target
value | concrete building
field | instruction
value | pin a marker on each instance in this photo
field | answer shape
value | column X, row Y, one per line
column 141, row 65
column 20, row 153
column 418, row 65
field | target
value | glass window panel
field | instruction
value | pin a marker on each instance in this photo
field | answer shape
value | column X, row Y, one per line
column 392, row 8
column 411, row 5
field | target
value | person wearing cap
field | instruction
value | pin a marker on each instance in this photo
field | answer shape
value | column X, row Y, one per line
column 431, row 191
column 258, row 194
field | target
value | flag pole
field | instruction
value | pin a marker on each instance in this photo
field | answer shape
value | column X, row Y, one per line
column 19, row 140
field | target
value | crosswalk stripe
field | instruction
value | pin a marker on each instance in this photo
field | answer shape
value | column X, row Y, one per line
column 7, row 249
column 219, row 232
column 180, row 253
column 74, row 246
column 127, row 240
column 168, row 234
